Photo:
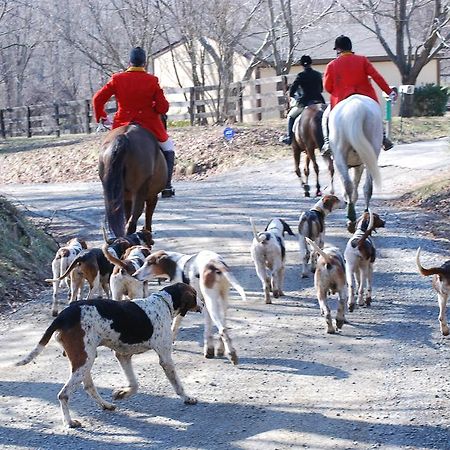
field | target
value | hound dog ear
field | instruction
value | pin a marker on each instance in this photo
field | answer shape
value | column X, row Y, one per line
column 184, row 297
column 286, row 228
column 83, row 243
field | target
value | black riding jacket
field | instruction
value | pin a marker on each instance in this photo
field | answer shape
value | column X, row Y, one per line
column 310, row 82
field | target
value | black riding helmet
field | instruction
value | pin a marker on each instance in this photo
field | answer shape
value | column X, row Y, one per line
column 342, row 43
column 305, row 60
column 137, row 56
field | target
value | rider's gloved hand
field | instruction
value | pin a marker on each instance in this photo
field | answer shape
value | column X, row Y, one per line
column 106, row 121
column 393, row 95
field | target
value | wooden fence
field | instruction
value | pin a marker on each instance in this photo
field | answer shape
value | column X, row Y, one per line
column 252, row 100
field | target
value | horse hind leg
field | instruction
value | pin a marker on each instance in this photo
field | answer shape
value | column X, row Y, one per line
column 136, row 211
column 306, row 172
column 316, row 170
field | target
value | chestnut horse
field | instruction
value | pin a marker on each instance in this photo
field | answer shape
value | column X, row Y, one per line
column 133, row 171
column 308, row 136
column 356, row 134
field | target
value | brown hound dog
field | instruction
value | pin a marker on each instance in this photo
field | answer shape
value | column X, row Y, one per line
column 312, row 225
column 441, row 284
column 360, row 254
column 128, row 328
column 330, row 277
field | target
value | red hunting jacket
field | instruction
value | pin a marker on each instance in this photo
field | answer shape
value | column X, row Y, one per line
column 139, row 98
column 349, row 74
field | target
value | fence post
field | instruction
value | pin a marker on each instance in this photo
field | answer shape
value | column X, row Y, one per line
column 28, row 121
column 87, row 116
column 240, row 102
column 191, row 105
column 2, row 124
column 58, row 130
column 258, row 92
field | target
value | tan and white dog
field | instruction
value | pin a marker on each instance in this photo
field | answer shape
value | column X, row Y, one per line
column 312, row 225
column 360, row 255
column 211, row 277
column 62, row 260
column 329, row 277
column 441, row 284
column 268, row 253
column 121, row 282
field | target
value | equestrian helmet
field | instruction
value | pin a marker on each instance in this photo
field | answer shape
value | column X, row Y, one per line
column 342, row 43
column 137, row 56
column 305, row 60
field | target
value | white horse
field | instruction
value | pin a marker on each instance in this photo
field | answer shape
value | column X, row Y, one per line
column 356, row 135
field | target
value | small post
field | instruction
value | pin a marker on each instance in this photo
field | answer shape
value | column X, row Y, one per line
column 240, row 102
column 87, row 116
column 2, row 123
column 388, row 117
column 258, row 91
column 58, row 129
column 28, row 121
column 191, row 105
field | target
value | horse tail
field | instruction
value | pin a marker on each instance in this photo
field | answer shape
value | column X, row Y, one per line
column 318, row 133
column 112, row 181
column 364, row 148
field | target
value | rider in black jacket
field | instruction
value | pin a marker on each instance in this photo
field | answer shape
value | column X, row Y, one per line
column 306, row 89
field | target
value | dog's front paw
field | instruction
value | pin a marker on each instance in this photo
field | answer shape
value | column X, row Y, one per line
column 119, row 394
column 234, row 358
column 74, row 423
column 208, row 352
column 190, row 401
column 109, row 406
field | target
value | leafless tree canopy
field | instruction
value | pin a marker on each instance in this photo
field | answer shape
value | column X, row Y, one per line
column 54, row 51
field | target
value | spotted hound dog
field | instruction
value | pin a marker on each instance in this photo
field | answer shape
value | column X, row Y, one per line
column 142, row 237
column 360, row 255
column 121, row 281
column 441, row 284
column 312, row 225
column 268, row 253
column 127, row 328
column 208, row 273
column 329, row 277
column 62, row 260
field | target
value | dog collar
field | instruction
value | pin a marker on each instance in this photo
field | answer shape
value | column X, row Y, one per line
column 167, row 299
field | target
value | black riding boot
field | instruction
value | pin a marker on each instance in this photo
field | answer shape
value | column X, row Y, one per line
column 290, row 134
column 169, row 191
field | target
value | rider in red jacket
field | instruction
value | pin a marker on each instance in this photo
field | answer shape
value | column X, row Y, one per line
column 349, row 74
column 140, row 100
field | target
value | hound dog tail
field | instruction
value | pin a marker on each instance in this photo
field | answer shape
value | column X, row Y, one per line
column 316, row 248
column 427, row 272
column 367, row 233
column 217, row 266
column 111, row 258
column 105, row 235
column 55, row 325
column 74, row 263
column 260, row 237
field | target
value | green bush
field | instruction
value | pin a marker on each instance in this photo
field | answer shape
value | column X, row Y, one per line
column 430, row 100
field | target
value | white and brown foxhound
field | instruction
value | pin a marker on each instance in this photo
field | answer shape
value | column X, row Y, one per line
column 128, row 328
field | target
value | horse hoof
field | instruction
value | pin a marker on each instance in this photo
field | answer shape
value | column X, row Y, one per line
column 307, row 194
column 351, row 307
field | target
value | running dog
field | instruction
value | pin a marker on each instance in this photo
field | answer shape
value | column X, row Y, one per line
column 360, row 254
column 441, row 284
column 62, row 260
column 121, row 281
column 208, row 273
column 329, row 277
column 312, row 225
column 268, row 253
column 128, row 328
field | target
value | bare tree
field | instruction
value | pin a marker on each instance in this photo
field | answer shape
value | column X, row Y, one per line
column 412, row 32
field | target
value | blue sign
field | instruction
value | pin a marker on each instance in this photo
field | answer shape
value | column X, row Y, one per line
column 228, row 133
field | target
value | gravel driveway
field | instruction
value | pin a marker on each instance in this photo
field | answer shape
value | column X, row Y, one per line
column 383, row 382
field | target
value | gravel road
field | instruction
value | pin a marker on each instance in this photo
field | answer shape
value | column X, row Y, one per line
column 383, row 382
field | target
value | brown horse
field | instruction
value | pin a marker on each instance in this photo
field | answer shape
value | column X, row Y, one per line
column 133, row 171
column 307, row 137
